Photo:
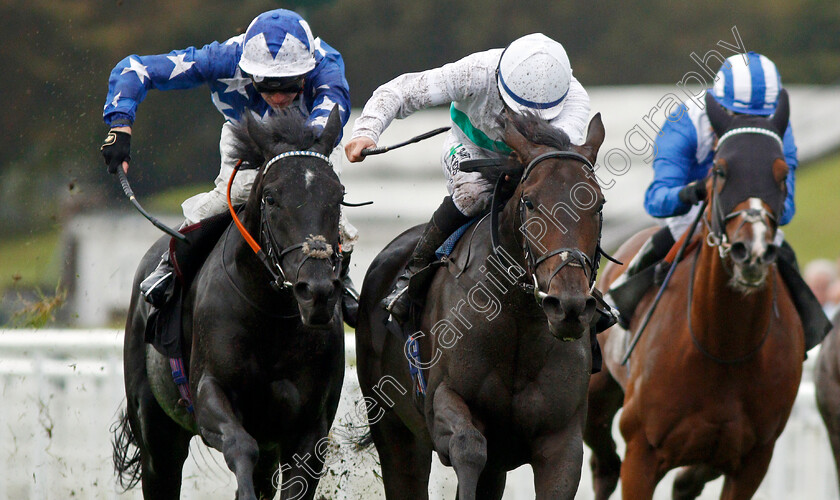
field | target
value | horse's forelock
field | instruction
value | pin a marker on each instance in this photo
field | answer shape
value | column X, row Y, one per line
column 256, row 141
column 539, row 131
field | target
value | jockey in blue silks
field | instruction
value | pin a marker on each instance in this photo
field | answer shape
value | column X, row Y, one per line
column 745, row 84
column 275, row 64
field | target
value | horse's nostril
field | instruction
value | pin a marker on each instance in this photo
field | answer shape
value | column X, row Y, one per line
column 303, row 291
column 770, row 254
column 739, row 252
column 551, row 305
column 589, row 308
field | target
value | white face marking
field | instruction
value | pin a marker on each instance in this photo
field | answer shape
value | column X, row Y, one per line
column 309, row 177
column 759, row 230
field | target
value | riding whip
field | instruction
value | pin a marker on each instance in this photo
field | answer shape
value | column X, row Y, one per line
column 133, row 199
column 385, row 149
column 659, row 294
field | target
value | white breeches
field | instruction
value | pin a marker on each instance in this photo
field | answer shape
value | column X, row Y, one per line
column 470, row 192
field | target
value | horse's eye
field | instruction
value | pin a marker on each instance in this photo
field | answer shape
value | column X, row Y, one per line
column 269, row 199
column 528, row 204
column 720, row 173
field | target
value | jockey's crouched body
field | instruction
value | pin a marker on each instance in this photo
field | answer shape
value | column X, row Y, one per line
column 745, row 84
column 532, row 74
column 275, row 64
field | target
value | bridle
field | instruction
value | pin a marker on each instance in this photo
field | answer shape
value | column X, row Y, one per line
column 717, row 236
column 572, row 257
column 314, row 247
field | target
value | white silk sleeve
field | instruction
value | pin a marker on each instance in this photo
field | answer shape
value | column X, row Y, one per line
column 410, row 92
column 575, row 115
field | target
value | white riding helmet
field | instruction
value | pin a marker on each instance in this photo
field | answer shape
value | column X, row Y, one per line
column 278, row 43
column 534, row 75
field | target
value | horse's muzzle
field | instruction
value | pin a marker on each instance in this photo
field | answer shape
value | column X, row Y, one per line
column 317, row 300
column 569, row 315
column 751, row 265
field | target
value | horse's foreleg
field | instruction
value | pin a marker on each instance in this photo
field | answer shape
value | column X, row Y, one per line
column 457, row 440
column 744, row 483
column 219, row 426
column 639, row 473
column 557, row 459
column 690, row 481
column 303, row 466
column 605, row 399
column 406, row 460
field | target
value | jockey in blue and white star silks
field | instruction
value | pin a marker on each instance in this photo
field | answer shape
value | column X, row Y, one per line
column 277, row 45
column 276, row 64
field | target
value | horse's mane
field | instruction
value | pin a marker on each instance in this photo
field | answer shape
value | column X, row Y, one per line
column 539, row 131
column 256, row 140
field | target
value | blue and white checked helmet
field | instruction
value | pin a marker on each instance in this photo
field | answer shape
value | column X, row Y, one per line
column 749, row 84
column 534, row 75
column 278, row 43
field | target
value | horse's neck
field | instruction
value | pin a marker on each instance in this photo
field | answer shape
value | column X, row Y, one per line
column 722, row 318
column 240, row 260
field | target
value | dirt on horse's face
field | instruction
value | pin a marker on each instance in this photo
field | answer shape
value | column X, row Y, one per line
column 294, row 209
column 747, row 190
column 560, row 209
column 300, row 204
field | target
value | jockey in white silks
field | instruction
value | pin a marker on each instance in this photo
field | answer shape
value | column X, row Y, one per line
column 532, row 74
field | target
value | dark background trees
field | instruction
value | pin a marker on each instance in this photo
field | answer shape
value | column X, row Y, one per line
column 57, row 54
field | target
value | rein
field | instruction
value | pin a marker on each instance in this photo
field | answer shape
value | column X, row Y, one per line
column 573, row 257
column 314, row 246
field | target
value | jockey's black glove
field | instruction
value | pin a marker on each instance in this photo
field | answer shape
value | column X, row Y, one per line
column 116, row 149
column 693, row 193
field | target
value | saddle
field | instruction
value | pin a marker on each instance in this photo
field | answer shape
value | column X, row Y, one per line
column 163, row 328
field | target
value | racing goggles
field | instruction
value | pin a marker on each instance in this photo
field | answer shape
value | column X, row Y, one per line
column 285, row 84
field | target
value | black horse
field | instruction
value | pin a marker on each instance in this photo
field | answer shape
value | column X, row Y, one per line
column 504, row 335
column 263, row 339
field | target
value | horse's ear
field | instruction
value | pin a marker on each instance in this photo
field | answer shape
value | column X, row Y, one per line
column 332, row 129
column 718, row 116
column 594, row 138
column 780, row 117
column 514, row 138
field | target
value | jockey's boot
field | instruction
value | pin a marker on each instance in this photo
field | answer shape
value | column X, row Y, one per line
column 349, row 295
column 626, row 291
column 157, row 287
column 814, row 321
column 446, row 219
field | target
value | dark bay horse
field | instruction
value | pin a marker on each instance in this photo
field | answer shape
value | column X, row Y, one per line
column 265, row 355
column 712, row 381
column 827, row 384
column 504, row 335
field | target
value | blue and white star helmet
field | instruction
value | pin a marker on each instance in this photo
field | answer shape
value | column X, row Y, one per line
column 748, row 83
column 278, row 43
column 534, row 75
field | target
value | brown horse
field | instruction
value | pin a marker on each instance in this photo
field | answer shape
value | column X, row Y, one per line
column 712, row 381
column 827, row 383
column 507, row 370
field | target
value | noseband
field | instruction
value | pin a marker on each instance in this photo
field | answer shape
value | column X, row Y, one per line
column 573, row 257
column 314, row 247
